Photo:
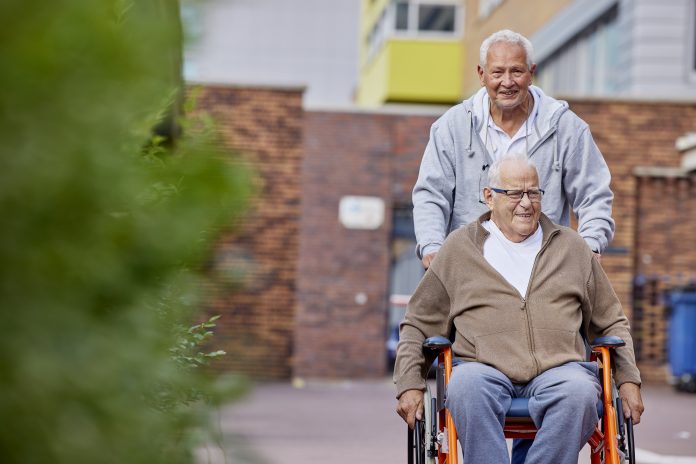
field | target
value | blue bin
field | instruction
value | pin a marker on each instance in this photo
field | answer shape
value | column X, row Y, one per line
column 681, row 347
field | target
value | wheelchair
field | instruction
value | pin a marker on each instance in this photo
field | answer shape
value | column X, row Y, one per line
column 433, row 440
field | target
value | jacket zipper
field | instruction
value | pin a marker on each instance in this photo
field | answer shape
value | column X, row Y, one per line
column 530, row 337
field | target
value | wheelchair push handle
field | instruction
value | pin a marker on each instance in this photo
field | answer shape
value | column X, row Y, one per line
column 609, row 341
column 436, row 344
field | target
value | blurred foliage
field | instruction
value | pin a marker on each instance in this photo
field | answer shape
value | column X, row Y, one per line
column 100, row 231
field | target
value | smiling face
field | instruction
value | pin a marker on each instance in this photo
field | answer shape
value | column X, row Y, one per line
column 506, row 75
column 517, row 220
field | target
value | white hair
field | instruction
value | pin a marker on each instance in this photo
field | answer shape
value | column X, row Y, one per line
column 494, row 173
column 506, row 35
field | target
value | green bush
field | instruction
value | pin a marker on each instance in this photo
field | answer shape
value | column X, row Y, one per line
column 100, row 233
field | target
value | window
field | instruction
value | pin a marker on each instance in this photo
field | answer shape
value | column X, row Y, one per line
column 402, row 16
column 426, row 17
column 436, row 18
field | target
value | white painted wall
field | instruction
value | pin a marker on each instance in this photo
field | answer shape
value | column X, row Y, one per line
column 663, row 39
column 313, row 43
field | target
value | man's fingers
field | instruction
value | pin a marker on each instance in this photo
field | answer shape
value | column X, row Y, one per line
column 634, row 412
column 410, row 407
column 428, row 260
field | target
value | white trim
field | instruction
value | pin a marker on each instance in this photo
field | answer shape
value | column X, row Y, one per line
column 487, row 8
column 658, row 171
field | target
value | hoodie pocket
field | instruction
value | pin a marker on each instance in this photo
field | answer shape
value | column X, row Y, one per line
column 554, row 347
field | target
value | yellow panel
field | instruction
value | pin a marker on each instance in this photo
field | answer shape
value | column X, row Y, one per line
column 413, row 70
column 424, row 70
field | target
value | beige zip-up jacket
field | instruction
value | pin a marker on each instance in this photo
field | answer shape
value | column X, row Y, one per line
column 461, row 294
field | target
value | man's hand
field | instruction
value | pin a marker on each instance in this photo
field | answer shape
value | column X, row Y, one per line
column 410, row 406
column 428, row 259
column 631, row 401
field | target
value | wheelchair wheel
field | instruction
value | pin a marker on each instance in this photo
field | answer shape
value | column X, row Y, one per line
column 416, row 443
column 631, row 445
column 430, row 419
column 421, row 444
column 625, row 435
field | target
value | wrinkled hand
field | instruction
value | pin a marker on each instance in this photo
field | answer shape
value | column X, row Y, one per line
column 428, row 259
column 410, row 406
column 631, row 401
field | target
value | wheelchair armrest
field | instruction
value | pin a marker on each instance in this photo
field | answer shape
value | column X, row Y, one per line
column 609, row 342
column 436, row 344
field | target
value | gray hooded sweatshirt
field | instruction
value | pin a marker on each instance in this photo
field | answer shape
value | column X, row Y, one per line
column 455, row 166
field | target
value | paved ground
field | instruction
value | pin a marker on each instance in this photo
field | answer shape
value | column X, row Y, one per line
column 354, row 422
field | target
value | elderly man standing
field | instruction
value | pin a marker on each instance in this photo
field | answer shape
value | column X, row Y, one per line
column 517, row 310
column 510, row 115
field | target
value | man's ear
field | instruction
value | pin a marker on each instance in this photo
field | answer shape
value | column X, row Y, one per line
column 488, row 197
column 479, row 70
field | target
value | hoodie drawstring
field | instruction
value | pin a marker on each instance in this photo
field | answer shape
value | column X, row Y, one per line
column 556, row 162
column 471, row 133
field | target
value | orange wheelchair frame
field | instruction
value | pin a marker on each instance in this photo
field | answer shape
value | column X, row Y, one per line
column 434, row 439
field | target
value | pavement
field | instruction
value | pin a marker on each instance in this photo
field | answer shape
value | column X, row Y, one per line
column 348, row 422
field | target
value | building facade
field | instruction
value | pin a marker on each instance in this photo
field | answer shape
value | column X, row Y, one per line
column 315, row 292
column 583, row 48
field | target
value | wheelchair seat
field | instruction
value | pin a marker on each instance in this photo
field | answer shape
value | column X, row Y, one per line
column 520, row 408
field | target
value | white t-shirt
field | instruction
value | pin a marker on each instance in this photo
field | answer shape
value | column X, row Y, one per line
column 496, row 139
column 514, row 261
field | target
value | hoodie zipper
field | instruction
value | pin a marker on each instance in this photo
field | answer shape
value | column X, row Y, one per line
column 530, row 337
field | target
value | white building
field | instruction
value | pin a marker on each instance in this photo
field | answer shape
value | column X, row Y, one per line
column 311, row 43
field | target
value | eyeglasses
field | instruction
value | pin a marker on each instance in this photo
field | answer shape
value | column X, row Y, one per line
column 516, row 195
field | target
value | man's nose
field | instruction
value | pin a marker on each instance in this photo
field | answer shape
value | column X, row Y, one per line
column 507, row 80
column 525, row 201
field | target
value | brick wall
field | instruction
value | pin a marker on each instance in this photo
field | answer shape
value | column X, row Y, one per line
column 631, row 134
column 257, row 324
column 665, row 258
column 366, row 154
column 337, row 335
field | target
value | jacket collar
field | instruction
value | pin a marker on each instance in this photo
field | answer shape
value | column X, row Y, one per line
column 479, row 234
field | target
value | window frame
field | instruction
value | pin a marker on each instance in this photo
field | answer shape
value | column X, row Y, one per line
column 412, row 30
column 691, row 49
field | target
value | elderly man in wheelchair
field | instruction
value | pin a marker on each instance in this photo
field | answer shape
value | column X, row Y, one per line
column 510, row 301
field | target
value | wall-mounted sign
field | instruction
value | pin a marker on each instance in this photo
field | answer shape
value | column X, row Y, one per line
column 686, row 145
column 356, row 212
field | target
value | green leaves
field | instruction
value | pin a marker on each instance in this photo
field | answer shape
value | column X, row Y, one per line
column 100, row 223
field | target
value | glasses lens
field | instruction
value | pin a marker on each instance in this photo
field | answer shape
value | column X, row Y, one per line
column 534, row 195
column 515, row 194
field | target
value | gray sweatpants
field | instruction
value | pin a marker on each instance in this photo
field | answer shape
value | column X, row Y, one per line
column 562, row 404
